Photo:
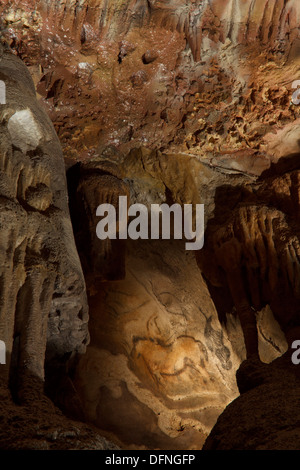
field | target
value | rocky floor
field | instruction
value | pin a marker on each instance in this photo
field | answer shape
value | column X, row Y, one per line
column 39, row 425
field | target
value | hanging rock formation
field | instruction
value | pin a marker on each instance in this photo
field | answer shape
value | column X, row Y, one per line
column 254, row 243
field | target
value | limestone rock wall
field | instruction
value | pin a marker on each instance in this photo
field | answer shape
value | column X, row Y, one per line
column 163, row 355
column 160, row 367
column 254, row 242
column 43, row 301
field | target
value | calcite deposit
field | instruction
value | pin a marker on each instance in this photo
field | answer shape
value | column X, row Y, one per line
column 187, row 102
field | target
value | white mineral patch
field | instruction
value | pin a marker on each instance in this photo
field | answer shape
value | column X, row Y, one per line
column 84, row 65
column 25, row 132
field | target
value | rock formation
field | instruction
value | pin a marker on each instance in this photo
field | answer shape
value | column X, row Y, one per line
column 256, row 246
column 186, row 102
column 92, row 184
column 44, row 312
column 163, row 355
column 41, row 274
column 266, row 414
column 190, row 76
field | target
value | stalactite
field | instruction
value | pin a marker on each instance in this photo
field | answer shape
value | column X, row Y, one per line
column 258, row 250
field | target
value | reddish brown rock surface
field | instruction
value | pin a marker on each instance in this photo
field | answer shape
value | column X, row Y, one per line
column 209, row 78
